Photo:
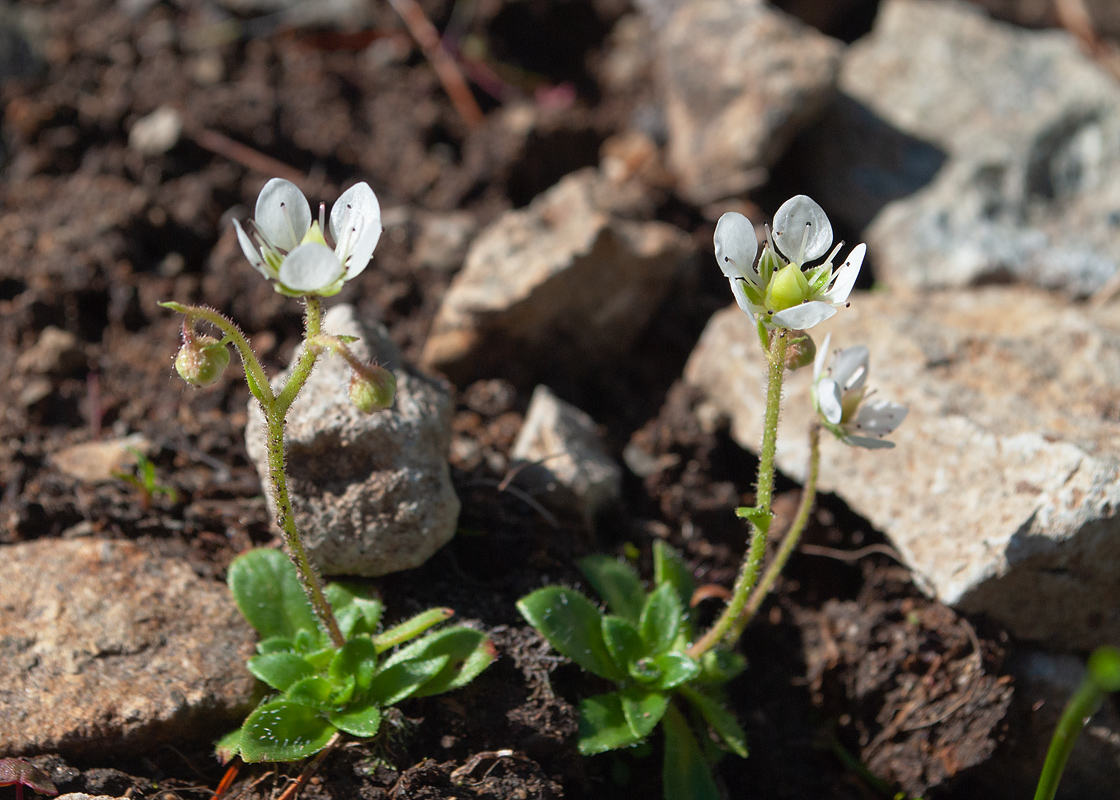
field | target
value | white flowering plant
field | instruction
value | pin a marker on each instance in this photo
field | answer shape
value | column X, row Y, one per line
column 645, row 644
column 331, row 667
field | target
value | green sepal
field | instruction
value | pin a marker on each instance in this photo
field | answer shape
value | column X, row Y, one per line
column 670, row 567
column 264, row 586
column 617, row 583
column 280, row 670
column 573, row 625
column 643, row 709
column 363, row 721
column 280, row 730
column 661, row 619
column 275, row 644
column 358, row 659
column 603, row 725
column 719, row 666
column 756, row 516
column 314, row 692
column 356, row 612
column 411, row 628
column 398, row 681
column 676, row 669
column 685, row 774
column 469, row 652
column 227, row 748
column 723, row 722
column 624, row 643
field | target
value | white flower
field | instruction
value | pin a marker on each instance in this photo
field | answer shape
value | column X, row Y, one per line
column 843, row 404
column 292, row 250
column 778, row 290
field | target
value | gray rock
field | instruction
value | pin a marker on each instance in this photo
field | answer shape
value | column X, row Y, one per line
column 564, row 443
column 1028, row 128
column 740, row 79
column 1003, row 490
column 566, row 281
column 105, row 648
column 372, row 492
column 443, row 240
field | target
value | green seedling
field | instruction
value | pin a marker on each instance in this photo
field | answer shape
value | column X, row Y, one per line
column 22, row 773
column 642, row 646
column 322, row 689
column 144, row 479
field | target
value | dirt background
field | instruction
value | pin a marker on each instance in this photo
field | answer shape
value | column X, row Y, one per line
column 848, row 657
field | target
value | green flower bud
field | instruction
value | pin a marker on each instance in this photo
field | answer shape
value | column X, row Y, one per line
column 788, row 288
column 800, row 352
column 202, row 360
column 372, row 389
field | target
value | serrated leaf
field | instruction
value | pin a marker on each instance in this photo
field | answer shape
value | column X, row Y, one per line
column 411, row 628
column 676, row 669
column 723, row 722
column 363, row 721
column 280, row 730
column 642, row 708
column 623, row 640
column 227, row 748
column 356, row 658
column 275, row 644
column 573, row 625
column 398, row 681
column 280, row 670
column 661, row 618
column 264, row 586
column 617, row 583
column 685, row 774
column 603, row 725
column 469, row 652
column 669, row 567
column 357, row 610
column 313, row 692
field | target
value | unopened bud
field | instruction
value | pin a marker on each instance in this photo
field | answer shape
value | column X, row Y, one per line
column 800, row 352
column 202, row 360
column 372, row 389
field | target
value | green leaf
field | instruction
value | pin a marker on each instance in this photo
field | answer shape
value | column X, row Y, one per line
column 411, row 628
column 313, row 692
column 363, row 721
column 661, row 618
column 719, row 666
column 669, row 567
column 573, row 625
column 265, row 588
column 642, row 708
column 280, row 730
column 623, row 640
column 617, row 583
column 398, row 681
column 603, row 725
column 723, row 722
column 644, row 670
column 227, row 748
column 275, row 644
column 756, row 516
column 356, row 658
column 676, row 669
column 280, row 670
column 685, row 774
column 469, row 652
column 355, row 607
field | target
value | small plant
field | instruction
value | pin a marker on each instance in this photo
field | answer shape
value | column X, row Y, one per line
column 144, row 479
column 1101, row 679
column 321, row 649
column 646, row 644
column 323, row 689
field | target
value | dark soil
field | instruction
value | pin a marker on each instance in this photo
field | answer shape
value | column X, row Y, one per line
column 846, row 658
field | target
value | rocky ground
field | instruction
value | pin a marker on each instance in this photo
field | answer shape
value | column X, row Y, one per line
column 572, row 380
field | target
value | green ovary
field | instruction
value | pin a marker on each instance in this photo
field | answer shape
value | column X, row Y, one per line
column 787, row 288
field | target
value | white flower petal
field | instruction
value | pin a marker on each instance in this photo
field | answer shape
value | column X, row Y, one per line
column 878, row 417
column 310, row 267
column 849, row 368
column 802, row 230
column 846, row 277
column 250, row 250
column 741, row 297
column 736, row 246
column 282, row 215
column 819, row 358
column 829, row 402
column 803, row 316
column 356, row 227
column 870, row 444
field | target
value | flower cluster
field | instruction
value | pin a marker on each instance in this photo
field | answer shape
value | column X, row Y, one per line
column 779, row 291
column 292, row 250
column 843, row 404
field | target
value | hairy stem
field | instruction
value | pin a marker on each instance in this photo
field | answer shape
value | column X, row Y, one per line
column 760, row 515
